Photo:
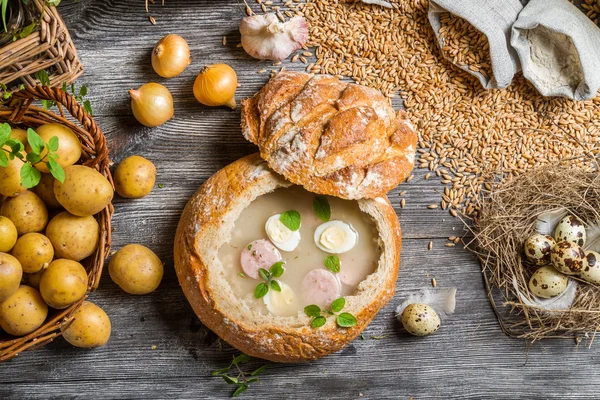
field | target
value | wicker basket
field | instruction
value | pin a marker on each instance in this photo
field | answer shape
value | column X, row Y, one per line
column 23, row 113
column 48, row 48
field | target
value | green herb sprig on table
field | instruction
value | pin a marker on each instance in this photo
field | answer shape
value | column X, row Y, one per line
column 11, row 148
column 319, row 317
column 275, row 271
column 239, row 378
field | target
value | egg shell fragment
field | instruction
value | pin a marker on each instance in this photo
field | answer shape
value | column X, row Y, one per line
column 547, row 282
column 591, row 268
column 420, row 319
column 567, row 257
column 570, row 229
column 537, row 248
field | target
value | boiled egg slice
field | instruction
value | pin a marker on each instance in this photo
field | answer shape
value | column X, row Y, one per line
column 282, row 304
column 336, row 237
column 281, row 236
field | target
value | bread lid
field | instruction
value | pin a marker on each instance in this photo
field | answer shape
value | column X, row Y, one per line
column 207, row 223
column 331, row 137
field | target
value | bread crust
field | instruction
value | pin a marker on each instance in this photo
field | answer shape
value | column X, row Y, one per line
column 331, row 137
column 206, row 224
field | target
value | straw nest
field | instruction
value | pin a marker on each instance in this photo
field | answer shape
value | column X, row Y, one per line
column 509, row 214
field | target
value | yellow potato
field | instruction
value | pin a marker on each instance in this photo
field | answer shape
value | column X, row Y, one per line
column 23, row 312
column 136, row 269
column 90, row 327
column 73, row 237
column 33, row 280
column 8, row 234
column 27, row 211
column 63, row 283
column 19, row 134
column 45, row 191
column 10, row 275
column 85, row 191
column 69, row 148
column 10, row 178
column 134, row 177
column 34, row 251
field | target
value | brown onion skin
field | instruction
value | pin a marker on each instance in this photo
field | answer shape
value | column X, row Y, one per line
column 216, row 85
column 170, row 56
column 152, row 104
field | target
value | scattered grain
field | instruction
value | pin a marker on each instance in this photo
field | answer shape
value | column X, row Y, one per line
column 402, row 203
column 433, row 282
column 430, row 246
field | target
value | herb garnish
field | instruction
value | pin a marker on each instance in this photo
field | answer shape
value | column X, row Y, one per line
column 30, row 176
column 275, row 271
column 291, row 219
column 344, row 320
column 333, row 264
column 44, row 79
column 322, row 208
column 242, row 379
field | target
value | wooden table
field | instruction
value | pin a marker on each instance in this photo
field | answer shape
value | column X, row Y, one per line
column 159, row 349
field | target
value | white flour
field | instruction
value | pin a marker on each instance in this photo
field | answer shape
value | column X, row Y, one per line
column 554, row 61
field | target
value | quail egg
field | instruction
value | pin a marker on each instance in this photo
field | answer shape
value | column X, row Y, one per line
column 335, row 237
column 537, row 248
column 282, row 236
column 547, row 282
column 420, row 319
column 571, row 229
column 567, row 257
column 283, row 303
column 591, row 268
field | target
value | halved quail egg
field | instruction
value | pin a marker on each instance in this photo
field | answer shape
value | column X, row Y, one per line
column 567, row 257
column 537, row 248
column 591, row 268
column 547, row 282
column 571, row 229
column 335, row 237
column 284, row 303
column 282, row 236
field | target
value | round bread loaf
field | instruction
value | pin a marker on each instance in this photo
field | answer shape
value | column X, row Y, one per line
column 331, row 137
column 207, row 223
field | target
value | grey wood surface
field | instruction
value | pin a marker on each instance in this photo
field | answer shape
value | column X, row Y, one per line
column 158, row 348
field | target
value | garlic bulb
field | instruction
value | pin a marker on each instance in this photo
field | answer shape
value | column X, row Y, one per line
column 266, row 38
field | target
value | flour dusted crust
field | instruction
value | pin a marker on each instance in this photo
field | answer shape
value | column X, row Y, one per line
column 207, row 223
column 329, row 136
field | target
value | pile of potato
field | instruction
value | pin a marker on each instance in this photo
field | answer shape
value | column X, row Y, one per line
column 47, row 231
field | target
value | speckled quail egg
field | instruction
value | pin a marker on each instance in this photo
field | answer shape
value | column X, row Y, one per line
column 420, row 319
column 591, row 267
column 537, row 248
column 571, row 229
column 567, row 257
column 547, row 282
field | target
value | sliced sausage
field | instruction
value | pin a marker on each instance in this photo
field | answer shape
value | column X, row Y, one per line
column 258, row 254
column 320, row 287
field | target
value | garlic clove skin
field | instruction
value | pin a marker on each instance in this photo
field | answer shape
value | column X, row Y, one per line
column 266, row 38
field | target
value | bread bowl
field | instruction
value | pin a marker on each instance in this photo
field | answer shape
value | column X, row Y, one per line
column 207, row 224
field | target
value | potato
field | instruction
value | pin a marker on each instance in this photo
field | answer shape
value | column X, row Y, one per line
column 10, row 178
column 69, row 148
column 23, row 312
column 33, row 280
column 63, row 283
column 136, row 269
column 73, row 237
column 19, row 134
column 90, row 327
column 34, row 251
column 134, row 177
column 10, row 275
column 85, row 191
column 8, row 234
column 45, row 191
column 27, row 211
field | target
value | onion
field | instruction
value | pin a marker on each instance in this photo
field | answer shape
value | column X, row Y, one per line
column 216, row 85
column 170, row 56
column 152, row 104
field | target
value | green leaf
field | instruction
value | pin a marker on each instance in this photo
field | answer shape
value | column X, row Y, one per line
column 56, row 169
column 53, row 3
column 43, row 77
column 88, row 107
column 29, row 176
column 312, row 310
column 241, row 389
column 47, row 103
column 6, row 95
column 83, row 90
column 35, row 141
column 318, row 322
column 64, row 87
column 26, row 30
column 275, row 286
column 338, row 304
column 221, row 371
column 291, row 219
column 16, row 147
column 277, row 269
column 229, row 379
column 5, row 130
column 259, row 370
column 266, row 275
column 261, row 290
column 4, row 5
column 3, row 159
column 333, row 264
column 346, row 320
column 33, row 158
column 53, row 143
column 322, row 208
column 252, row 380
column 242, row 358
